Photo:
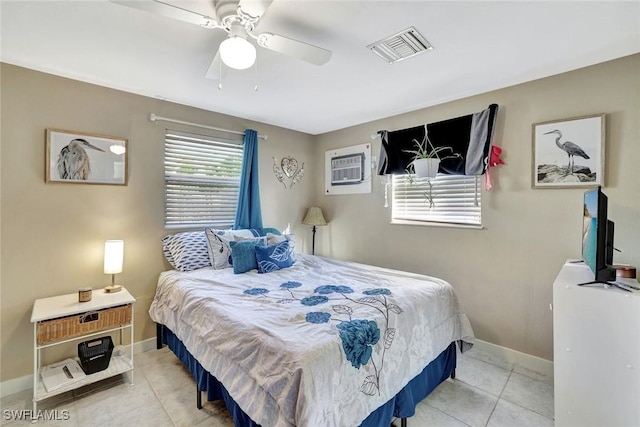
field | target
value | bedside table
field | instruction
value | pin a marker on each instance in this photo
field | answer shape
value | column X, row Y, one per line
column 62, row 319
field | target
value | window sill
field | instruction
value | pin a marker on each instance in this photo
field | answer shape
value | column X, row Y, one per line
column 437, row 224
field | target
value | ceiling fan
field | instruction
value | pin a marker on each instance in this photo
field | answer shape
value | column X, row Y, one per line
column 239, row 19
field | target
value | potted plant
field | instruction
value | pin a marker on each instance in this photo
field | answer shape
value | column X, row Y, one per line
column 426, row 158
column 425, row 164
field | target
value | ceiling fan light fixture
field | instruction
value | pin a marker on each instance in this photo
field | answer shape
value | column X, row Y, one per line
column 236, row 52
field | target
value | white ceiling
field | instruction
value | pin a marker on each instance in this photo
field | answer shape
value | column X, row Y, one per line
column 478, row 46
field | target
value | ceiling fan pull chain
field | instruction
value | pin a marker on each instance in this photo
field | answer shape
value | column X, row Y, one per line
column 220, row 82
column 255, row 88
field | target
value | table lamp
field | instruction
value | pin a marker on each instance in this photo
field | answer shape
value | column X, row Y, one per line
column 113, row 257
column 315, row 218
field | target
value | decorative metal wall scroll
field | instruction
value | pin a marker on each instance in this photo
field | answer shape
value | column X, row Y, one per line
column 289, row 172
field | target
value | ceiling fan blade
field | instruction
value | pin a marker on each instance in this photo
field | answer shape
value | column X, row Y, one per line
column 254, row 8
column 309, row 53
column 169, row 11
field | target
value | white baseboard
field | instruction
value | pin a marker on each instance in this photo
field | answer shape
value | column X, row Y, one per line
column 514, row 357
column 26, row 383
column 15, row 385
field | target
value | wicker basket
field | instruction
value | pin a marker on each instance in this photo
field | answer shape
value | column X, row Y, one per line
column 62, row 328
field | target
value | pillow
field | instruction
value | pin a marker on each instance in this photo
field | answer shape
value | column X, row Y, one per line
column 274, row 239
column 243, row 255
column 271, row 230
column 274, row 257
column 219, row 248
column 186, row 251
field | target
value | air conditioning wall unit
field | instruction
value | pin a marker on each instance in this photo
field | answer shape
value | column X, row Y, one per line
column 347, row 169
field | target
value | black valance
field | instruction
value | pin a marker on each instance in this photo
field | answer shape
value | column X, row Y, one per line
column 468, row 136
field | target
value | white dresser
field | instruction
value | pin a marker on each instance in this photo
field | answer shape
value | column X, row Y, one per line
column 596, row 351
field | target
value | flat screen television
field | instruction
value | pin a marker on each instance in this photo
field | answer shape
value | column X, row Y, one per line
column 597, row 237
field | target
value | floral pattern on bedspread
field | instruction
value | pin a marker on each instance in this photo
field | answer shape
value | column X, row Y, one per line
column 350, row 333
column 358, row 336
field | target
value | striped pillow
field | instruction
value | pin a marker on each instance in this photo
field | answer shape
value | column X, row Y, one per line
column 186, row 251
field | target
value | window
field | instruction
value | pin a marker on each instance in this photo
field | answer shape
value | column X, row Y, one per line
column 452, row 199
column 202, row 180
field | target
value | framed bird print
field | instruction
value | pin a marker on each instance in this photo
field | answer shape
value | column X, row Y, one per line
column 84, row 158
column 568, row 153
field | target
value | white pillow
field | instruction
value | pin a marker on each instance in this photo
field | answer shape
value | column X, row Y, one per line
column 219, row 244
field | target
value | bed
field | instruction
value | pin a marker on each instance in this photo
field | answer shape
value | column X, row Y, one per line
column 321, row 343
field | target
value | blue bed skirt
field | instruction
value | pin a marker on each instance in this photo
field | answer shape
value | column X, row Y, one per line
column 402, row 405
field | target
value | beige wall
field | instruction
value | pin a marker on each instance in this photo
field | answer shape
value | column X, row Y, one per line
column 504, row 272
column 53, row 234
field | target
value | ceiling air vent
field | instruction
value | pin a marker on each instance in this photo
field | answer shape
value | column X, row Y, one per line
column 401, row 46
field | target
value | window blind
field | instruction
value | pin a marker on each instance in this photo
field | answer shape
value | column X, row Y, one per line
column 452, row 199
column 202, row 180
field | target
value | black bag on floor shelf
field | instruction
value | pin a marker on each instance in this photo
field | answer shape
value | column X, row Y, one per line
column 95, row 354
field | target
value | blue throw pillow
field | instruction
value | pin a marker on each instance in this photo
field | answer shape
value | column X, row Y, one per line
column 243, row 254
column 275, row 257
column 266, row 230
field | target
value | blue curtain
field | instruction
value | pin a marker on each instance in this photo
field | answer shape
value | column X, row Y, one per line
column 249, row 214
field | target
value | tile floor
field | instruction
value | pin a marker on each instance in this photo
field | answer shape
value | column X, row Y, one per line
column 486, row 392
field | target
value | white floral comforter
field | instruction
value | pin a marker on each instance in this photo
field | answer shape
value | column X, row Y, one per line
column 323, row 343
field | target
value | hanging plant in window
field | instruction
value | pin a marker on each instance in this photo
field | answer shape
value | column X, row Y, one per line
column 426, row 158
column 425, row 163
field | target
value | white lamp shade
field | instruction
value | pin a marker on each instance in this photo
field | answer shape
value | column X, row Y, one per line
column 113, row 256
column 236, row 52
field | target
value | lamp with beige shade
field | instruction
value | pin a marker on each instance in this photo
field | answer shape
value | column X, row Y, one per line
column 315, row 218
